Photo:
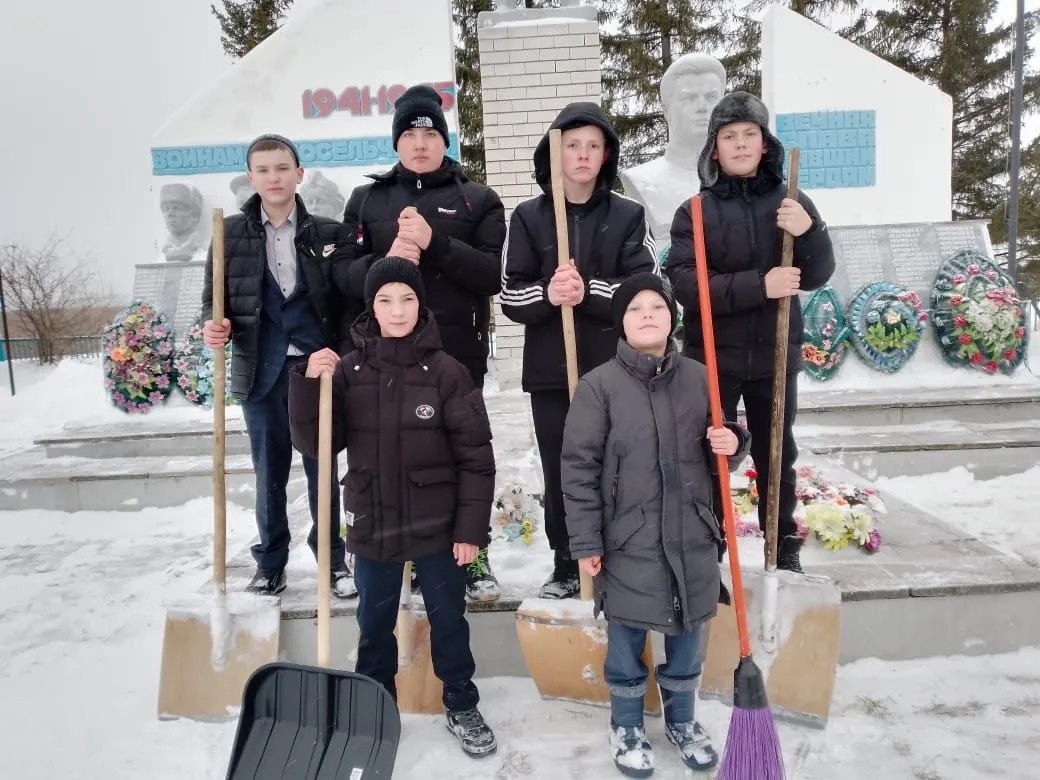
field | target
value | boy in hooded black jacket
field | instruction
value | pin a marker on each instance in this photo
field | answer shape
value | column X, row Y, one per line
column 609, row 242
column 746, row 211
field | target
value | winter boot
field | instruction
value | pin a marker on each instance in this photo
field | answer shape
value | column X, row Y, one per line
column 474, row 734
column 564, row 582
column 633, row 754
column 693, row 743
column 481, row 583
column 343, row 586
column 267, row 583
column 788, row 554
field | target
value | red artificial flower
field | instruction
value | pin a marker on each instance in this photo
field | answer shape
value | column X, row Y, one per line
column 751, row 473
column 960, row 321
column 1020, row 332
column 955, row 300
column 964, row 339
column 976, row 358
column 959, row 279
column 991, row 367
column 973, row 269
column 1009, row 354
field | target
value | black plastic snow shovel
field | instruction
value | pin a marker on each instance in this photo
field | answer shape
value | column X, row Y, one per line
column 315, row 723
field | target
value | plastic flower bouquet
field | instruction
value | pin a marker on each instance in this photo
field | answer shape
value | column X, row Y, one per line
column 515, row 514
column 981, row 322
column 194, row 368
column 138, row 358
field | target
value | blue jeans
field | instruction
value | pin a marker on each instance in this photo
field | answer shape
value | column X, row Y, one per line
column 267, row 423
column 626, row 674
column 443, row 585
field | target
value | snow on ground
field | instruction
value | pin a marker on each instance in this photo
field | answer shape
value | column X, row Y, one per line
column 82, row 609
column 925, row 369
column 990, row 509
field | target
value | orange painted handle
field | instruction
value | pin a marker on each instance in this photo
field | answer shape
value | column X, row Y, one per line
column 704, row 294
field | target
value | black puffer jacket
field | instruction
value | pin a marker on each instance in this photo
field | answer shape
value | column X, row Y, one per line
column 743, row 243
column 460, row 268
column 609, row 241
column 418, row 441
column 245, row 259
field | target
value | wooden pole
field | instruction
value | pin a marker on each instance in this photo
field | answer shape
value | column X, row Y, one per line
column 563, row 258
column 324, row 519
column 776, row 428
column 219, row 384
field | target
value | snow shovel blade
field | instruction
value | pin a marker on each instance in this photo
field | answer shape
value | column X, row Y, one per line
column 564, row 648
column 801, row 666
column 210, row 647
column 308, row 723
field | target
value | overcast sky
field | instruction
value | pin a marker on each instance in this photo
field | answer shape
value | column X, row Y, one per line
column 83, row 86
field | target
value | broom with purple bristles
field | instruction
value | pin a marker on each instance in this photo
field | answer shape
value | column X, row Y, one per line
column 752, row 750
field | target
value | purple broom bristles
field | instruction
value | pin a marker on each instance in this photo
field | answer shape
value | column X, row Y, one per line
column 752, row 750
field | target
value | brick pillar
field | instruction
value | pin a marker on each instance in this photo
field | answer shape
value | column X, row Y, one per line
column 533, row 62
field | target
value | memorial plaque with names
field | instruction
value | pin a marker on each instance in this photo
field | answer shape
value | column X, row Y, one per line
column 907, row 255
column 175, row 289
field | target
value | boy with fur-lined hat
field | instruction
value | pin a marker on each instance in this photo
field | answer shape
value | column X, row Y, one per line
column 638, row 457
column 609, row 241
column 746, row 211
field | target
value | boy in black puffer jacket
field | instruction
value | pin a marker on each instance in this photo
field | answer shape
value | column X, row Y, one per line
column 746, row 211
column 420, row 483
column 424, row 209
column 609, row 241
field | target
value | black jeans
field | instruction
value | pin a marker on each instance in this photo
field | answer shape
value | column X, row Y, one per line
column 549, row 411
column 758, row 407
column 443, row 585
column 267, row 423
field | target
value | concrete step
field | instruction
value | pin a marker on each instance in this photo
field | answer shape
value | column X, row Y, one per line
column 932, row 590
column 915, row 406
column 162, row 438
column 31, row 480
column 988, row 450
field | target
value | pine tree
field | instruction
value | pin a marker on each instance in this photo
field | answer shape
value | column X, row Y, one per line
column 955, row 45
column 648, row 35
column 1028, row 253
column 469, row 104
column 245, row 23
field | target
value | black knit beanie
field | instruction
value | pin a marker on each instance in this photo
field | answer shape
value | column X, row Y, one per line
column 634, row 285
column 419, row 107
column 393, row 269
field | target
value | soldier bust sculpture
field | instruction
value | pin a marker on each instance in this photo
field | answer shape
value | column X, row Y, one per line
column 690, row 88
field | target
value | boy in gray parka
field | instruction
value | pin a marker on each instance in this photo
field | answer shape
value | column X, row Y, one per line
column 637, row 464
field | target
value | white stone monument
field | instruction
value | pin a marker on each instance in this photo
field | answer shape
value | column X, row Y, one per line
column 323, row 80
column 690, row 88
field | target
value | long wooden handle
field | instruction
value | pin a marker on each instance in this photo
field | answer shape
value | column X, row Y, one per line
column 700, row 254
column 563, row 251
column 324, row 520
column 219, row 384
column 563, row 258
column 776, row 426
column 404, row 618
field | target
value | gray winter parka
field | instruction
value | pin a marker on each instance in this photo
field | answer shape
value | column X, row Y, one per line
column 637, row 473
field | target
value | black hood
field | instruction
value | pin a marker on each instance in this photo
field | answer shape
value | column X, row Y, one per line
column 741, row 107
column 578, row 115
